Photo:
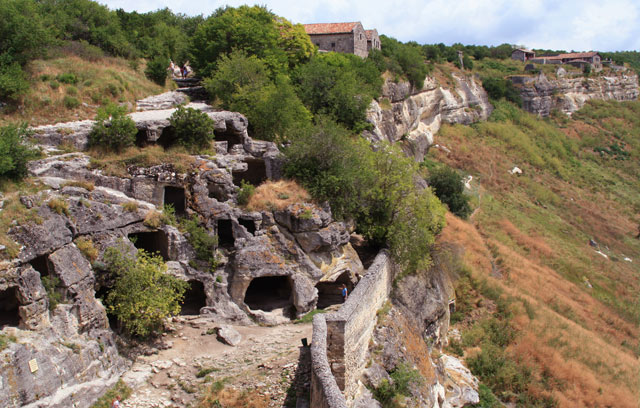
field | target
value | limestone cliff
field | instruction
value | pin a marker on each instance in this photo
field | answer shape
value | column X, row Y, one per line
column 541, row 95
column 413, row 118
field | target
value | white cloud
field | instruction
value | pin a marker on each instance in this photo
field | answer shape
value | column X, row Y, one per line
column 554, row 24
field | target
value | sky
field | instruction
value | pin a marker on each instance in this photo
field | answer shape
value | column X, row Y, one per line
column 579, row 25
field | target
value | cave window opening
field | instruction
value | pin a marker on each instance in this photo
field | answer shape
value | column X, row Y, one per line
column 41, row 265
column 175, row 197
column 167, row 137
column 452, row 306
column 250, row 225
column 225, row 234
column 229, row 137
column 217, row 191
column 255, row 174
column 9, row 308
column 268, row 293
column 102, row 292
column 195, row 298
column 152, row 242
column 141, row 138
column 330, row 293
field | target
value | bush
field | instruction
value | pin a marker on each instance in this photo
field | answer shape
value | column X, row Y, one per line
column 192, row 128
column 245, row 192
column 447, row 185
column 15, row 151
column 14, row 83
column 113, row 130
column 70, row 102
column 203, row 243
column 59, row 206
column 157, row 70
column 87, row 247
column 50, row 284
column 67, row 78
column 498, row 88
column 143, row 294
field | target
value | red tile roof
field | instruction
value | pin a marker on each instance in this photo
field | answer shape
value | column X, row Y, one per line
column 572, row 55
column 330, row 28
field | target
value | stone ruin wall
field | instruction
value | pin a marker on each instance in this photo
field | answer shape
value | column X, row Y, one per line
column 341, row 339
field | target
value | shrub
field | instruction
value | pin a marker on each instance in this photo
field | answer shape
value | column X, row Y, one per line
column 448, row 187
column 88, row 249
column 192, row 128
column 14, row 83
column 67, row 78
column 157, row 70
column 113, row 130
column 120, row 389
column 5, row 340
column 245, row 192
column 203, row 243
column 70, row 102
column 72, row 91
column 498, row 88
column 54, row 85
column 87, row 185
column 143, row 294
column 50, row 284
column 15, row 151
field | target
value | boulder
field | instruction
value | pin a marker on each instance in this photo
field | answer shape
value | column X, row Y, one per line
column 374, row 375
column 228, row 335
column 461, row 386
column 302, row 218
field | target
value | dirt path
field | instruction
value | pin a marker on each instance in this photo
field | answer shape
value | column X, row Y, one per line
column 268, row 363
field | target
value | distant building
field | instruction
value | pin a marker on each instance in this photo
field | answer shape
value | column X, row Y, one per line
column 349, row 38
column 522, row 54
column 578, row 59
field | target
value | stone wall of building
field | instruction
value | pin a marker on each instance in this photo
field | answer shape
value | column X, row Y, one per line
column 354, row 42
column 348, row 332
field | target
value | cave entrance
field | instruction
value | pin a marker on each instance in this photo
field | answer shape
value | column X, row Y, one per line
column 9, row 308
column 175, row 197
column 330, row 293
column 217, row 191
column 194, row 298
column 167, row 137
column 102, row 291
column 268, row 293
column 250, row 225
column 154, row 241
column 229, row 137
column 255, row 174
column 141, row 138
column 225, row 234
column 41, row 265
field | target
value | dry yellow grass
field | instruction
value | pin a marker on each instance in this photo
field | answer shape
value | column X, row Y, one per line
column 229, row 397
column 115, row 164
column 98, row 82
column 277, row 195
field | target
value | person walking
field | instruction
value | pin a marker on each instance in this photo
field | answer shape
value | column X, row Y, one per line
column 116, row 403
column 344, row 292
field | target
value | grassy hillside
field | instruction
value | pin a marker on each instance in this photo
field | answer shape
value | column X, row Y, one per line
column 72, row 88
column 573, row 312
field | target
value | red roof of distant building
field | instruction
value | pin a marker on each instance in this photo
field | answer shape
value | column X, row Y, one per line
column 330, row 28
column 369, row 33
column 573, row 55
column 523, row 50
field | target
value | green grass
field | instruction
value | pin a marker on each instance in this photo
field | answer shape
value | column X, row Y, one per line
column 119, row 389
column 308, row 318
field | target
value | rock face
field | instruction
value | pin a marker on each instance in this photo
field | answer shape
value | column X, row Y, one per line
column 268, row 263
column 566, row 94
column 414, row 118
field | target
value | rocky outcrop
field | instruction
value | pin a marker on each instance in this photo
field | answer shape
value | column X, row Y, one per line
column 268, row 263
column 413, row 118
column 541, row 95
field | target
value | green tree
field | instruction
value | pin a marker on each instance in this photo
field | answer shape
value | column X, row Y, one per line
column 22, row 31
column 156, row 70
column 15, row 151
column 113, row 130
column 273, row 109
column 143, row 294
column 447, row 185
column 13, row 82
column 254, row 30
column 192, row 128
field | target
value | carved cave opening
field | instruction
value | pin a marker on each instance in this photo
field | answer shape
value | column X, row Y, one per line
column 330, row 293
column 175, row 197
column 250, row 225
column 217, row 191
column 104, row 285
column 141, row 138
column 256, row 173
column 229, row 137
column 41, row 265
column 268, row 293
column 9, row 308
column 167, row 137
column 154, row 241
column 195, row 298
column 225, row 234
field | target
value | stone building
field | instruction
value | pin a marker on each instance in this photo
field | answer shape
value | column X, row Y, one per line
column 579, row 59
column 522, row 54
column 349, row 38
